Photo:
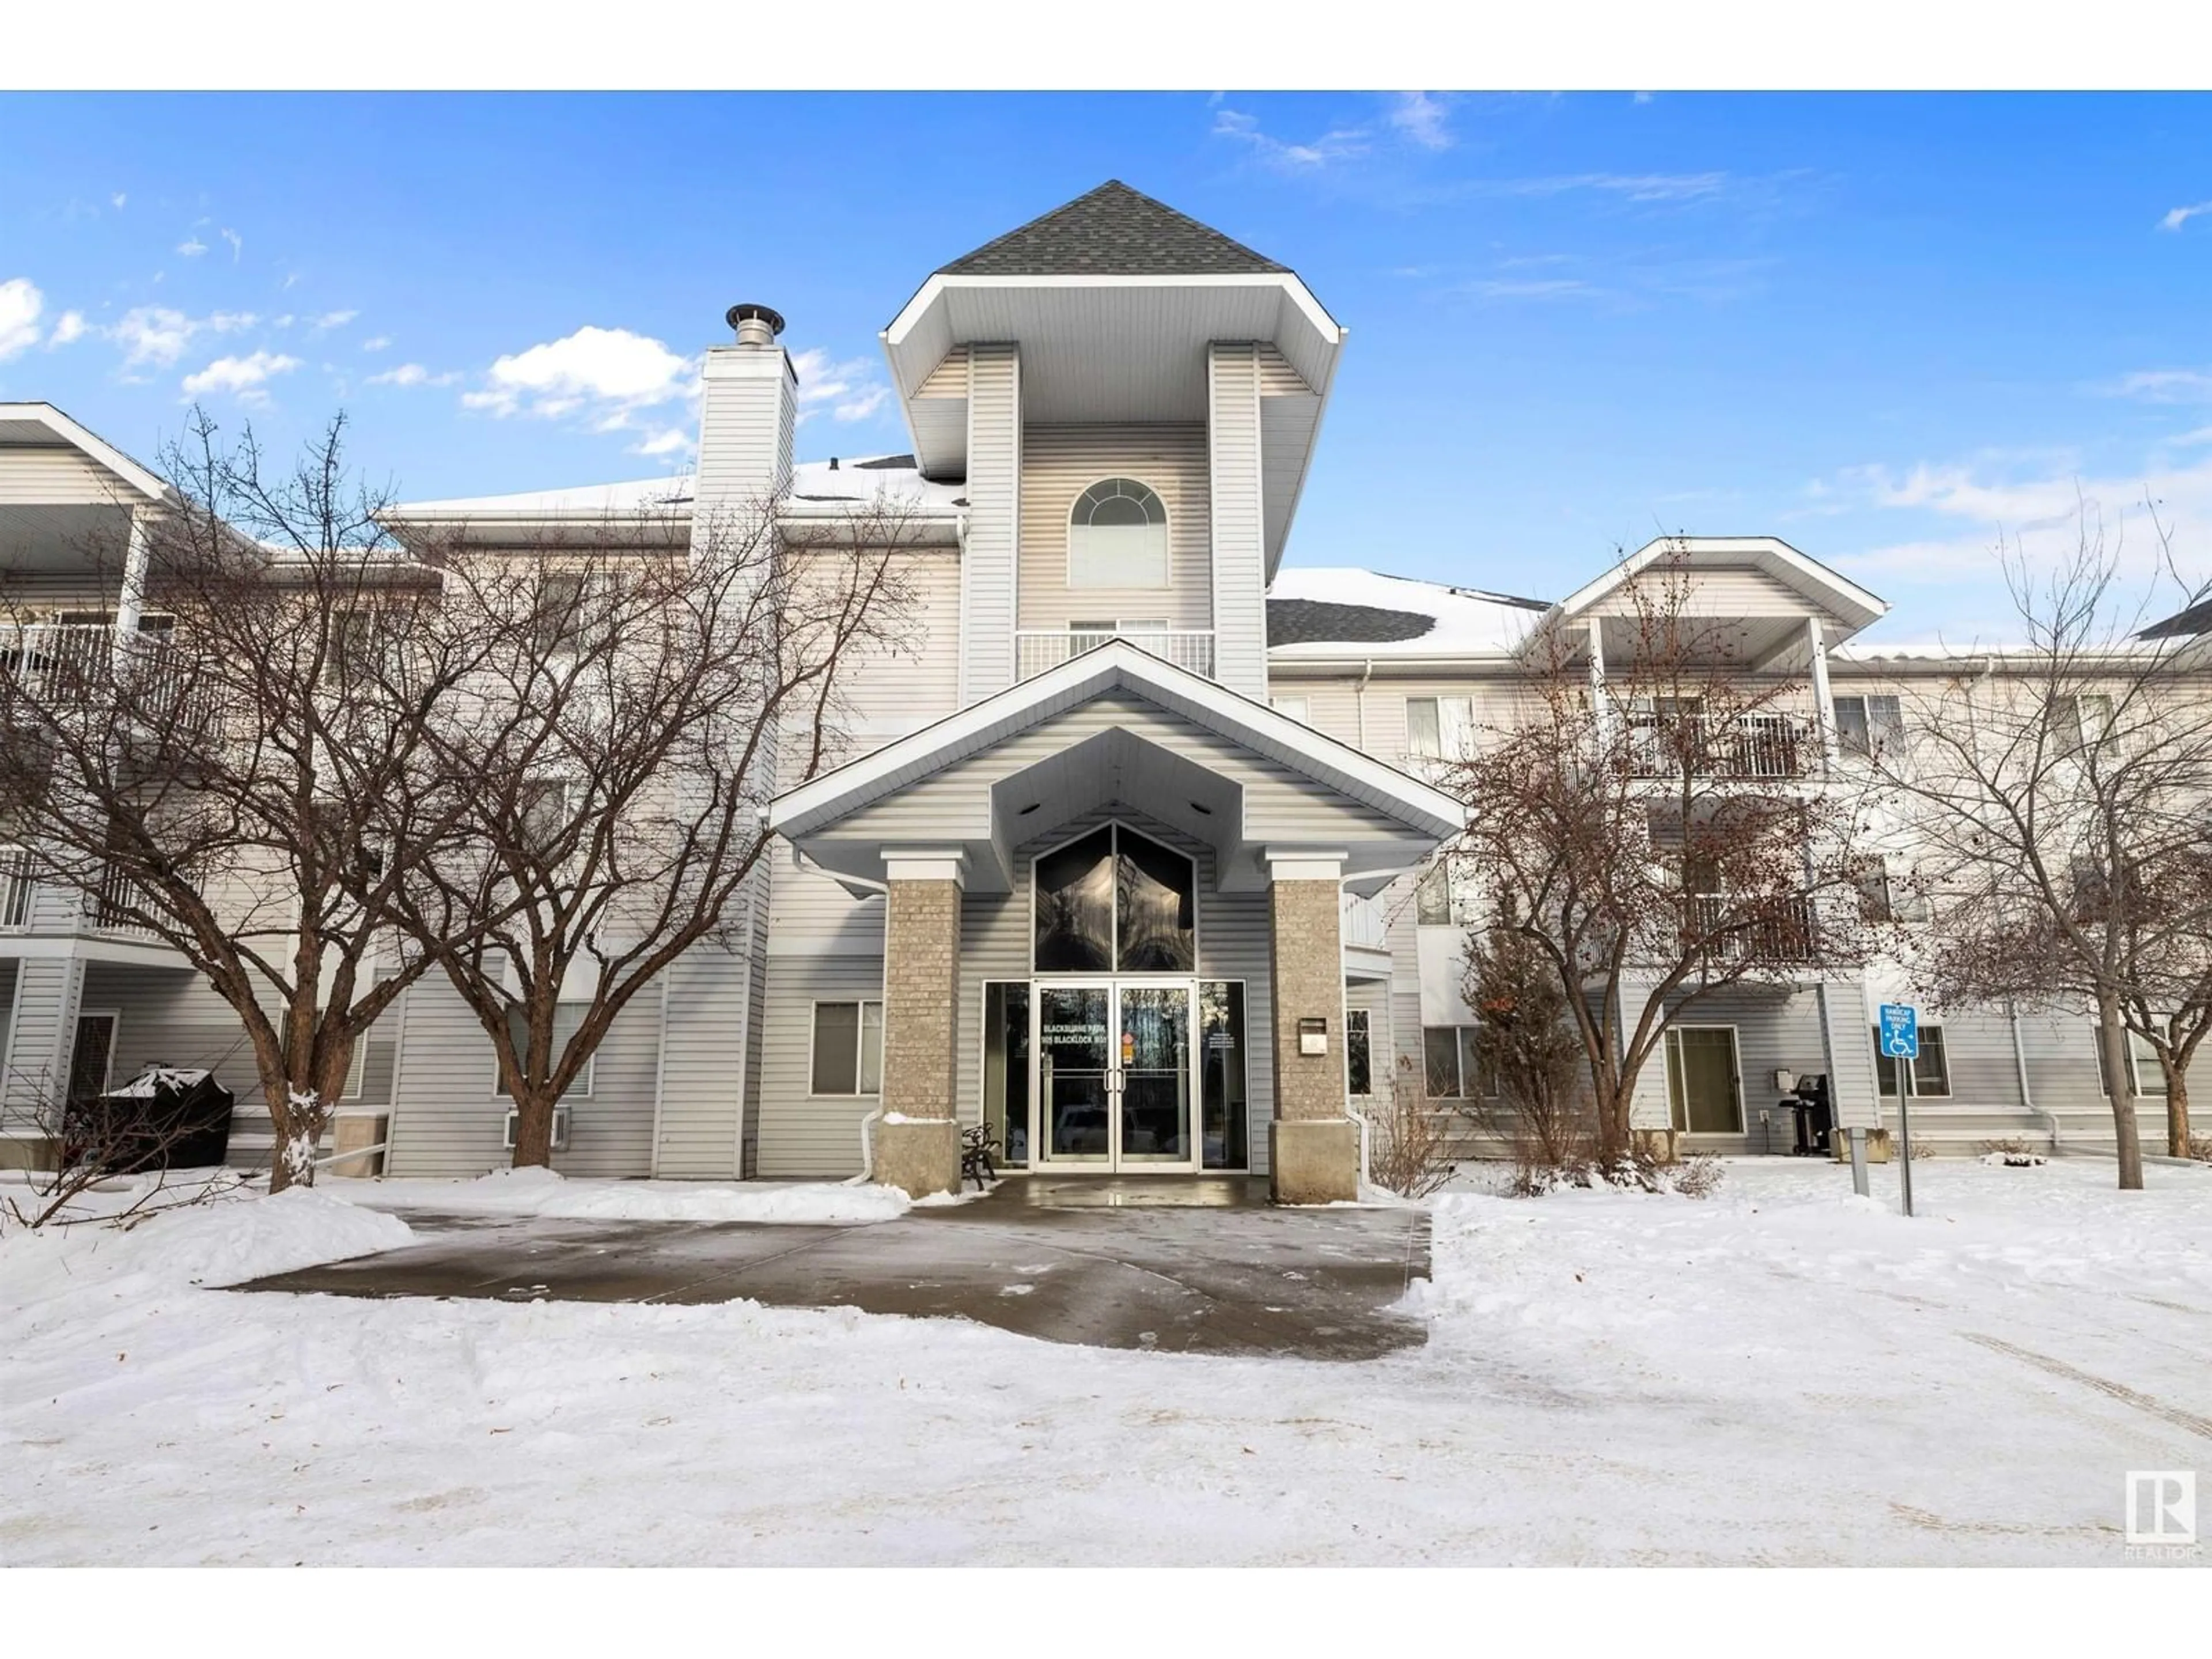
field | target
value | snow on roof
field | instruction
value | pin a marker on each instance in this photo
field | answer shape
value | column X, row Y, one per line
column 843, row 484
column 1317, row 613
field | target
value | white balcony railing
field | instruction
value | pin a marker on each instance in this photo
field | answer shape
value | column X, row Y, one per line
column 1747, row 746
column 1366, row 927
column 50, row 657
column 1037, row 649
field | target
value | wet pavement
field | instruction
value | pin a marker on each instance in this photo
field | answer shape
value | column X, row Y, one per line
column 1185, row 1266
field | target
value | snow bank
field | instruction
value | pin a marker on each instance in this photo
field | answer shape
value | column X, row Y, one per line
column 233, row 1236
column 544, row 1193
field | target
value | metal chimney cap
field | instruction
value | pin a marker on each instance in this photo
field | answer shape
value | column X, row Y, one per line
column 742, row 314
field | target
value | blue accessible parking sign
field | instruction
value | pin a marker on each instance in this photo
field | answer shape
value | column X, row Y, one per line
column 1901, row 1030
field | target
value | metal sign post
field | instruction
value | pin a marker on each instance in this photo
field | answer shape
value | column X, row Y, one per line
column 1900, row 1042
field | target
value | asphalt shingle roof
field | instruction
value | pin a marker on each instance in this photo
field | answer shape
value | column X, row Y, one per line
column 1318, row 621
column 2182, row 624
column 1113, row 231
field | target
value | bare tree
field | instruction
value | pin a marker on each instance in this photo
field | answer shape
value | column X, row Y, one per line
column 2059, row 797
column 1668, row 825
column 1527, row 1048
column 648, row 687
column 249, row 784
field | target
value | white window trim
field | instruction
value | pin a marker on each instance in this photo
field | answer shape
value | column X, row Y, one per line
column 1459, row 1063
column 1874, row 1037
column 1669, row 1048
column 1445, row 749
column 1167, row 540
column 859, row 1046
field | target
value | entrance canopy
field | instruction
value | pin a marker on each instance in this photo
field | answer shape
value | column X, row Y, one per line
column 1118, row 725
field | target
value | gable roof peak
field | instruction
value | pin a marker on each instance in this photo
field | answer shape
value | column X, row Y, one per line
column 1113, row 231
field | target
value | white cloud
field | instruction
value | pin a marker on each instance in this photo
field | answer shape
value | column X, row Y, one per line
column 849, row 390
column 117, row 200
column 1339, row 144
column 237, row 243
column 1629, row 186
column 157, row 335
column 2039, row 511
column 68, row 329
column 2166, row 385
column 20, row 303
column 1420, row 120
column 612, row 370
column 242, row 377
column 376, row 345
column 331, row 319
column 2202, row 435
column 2177, row 218
column 669, row 440
column 1531, row 287
column 192, row 248
column 412, row 374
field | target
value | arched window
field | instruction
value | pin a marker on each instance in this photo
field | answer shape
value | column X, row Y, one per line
column 1117, row 537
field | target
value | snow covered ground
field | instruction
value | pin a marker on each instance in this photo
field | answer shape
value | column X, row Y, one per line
column 543, row 1193
column 1781, row 1373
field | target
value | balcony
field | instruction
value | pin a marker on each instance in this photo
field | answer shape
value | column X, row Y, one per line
column 74, row 665
column 1746, row 746
column 1789, row 933
column 1037, row 649
column 29, row 909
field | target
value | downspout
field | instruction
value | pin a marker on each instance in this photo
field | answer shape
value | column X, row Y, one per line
column 1359, row 706
column 868, row 1120
column 2019, row 1065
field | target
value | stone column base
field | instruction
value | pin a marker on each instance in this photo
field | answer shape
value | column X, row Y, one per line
column 918, row 1156
column 1314, row 1160
column 1657, row 1143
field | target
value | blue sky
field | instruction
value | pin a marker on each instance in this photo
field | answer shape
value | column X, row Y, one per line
column 1882, row 327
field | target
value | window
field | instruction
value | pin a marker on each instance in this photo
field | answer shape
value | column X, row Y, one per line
column 1225, row 1096
column 1451, row 1067
column 542, row 814
column 1148, row 632
column 1440, row 728
column 1359, row 1057
column 567, row 1016
column 2084, row 721
column 1868, row 725
column 1117, row 537
column 1885, row 898
column 1115, row 901
column 558, row 623
column 848, row 1048
column 1443, row 899
column 1931, row 1072
column 2148, row 1075
column 1298, row 708
column 16, row 888
column 348, row 646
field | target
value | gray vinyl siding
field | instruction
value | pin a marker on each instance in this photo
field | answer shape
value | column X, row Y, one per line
column 890, row 691
column 41, row 1025
column 449, row 1118
column 707, row 1005
column 802, row 1135
column 1279, row 804
column 1722, row 592
column 1059, row 463
column 1240, row 578
column 746, row 420
column 58, row 476
column 989, row 565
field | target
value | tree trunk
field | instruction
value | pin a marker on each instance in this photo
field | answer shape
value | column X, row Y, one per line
column 2119, row 1078
column 2177, row 1108
column 534, row 1132
column 299, row 1117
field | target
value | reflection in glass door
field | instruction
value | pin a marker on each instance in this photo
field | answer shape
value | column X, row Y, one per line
column 1116, row 1075
column 1074, row 1066
column 1155, row 1081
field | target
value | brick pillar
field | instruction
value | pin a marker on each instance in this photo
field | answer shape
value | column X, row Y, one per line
column 917, row 1142
column 1313, row 1143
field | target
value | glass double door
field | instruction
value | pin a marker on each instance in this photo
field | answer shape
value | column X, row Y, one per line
column 1115, row 1074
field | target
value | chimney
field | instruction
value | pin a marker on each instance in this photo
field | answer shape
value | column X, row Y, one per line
column 747, row 414
column 756, row 325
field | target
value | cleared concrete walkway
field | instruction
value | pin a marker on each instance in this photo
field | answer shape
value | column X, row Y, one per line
column 1184, row 1267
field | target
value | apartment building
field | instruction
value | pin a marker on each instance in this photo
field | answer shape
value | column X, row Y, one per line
column 1127, row 857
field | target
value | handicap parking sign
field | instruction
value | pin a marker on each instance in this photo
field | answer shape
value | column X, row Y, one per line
column 1901, row 1030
